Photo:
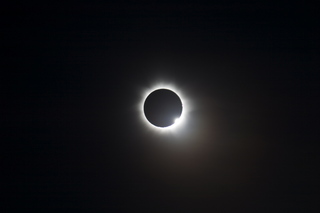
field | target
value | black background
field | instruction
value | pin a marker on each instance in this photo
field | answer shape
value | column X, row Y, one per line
column 73, row 75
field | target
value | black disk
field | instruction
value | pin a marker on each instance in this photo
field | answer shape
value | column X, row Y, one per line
column 162, row 107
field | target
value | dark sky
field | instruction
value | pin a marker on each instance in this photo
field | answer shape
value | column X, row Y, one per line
column 74, row 75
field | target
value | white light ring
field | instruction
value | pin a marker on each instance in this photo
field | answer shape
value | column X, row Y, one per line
column 175, row 127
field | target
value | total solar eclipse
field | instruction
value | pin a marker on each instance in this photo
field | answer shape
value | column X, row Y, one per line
column 162, row 108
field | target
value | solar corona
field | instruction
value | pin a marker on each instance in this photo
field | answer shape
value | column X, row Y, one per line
column 164, row 108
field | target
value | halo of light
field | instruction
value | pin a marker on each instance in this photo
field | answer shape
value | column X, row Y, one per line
column 180, row 123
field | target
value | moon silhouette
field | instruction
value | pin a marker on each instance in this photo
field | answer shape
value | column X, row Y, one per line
column 162, row 107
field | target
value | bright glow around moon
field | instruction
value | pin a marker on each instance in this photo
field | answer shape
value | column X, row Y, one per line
column 180, row 123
